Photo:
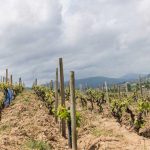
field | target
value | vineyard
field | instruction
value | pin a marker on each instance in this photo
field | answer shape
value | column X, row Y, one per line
column 64, row 117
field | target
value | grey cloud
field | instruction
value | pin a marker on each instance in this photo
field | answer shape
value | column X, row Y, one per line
column 101, row 37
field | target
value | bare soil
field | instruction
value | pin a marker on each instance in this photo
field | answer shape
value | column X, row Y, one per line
column 102, row 132
column 27, row 120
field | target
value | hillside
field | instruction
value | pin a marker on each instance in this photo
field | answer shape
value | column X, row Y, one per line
column 26, row 125
column 95, row 81
column 98, row 81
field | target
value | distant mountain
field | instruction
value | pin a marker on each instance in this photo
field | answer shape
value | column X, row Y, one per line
column 148, row 76
column 133, row 76
column 98, row 81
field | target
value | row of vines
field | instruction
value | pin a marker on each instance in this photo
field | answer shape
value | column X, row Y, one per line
column 132, row 104
column 137, row 107
column 5, row 85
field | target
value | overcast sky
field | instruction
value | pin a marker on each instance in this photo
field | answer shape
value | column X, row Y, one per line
column 95, row 37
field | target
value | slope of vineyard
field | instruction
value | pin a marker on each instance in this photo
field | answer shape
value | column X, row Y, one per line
column 102, row 132
column 1, row 96
column 26, row 125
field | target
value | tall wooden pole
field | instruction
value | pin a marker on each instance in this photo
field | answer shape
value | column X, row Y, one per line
column 51, row 85
column 11, row 80
column 20, row 81
column 114, row 88
column 36, row 82
column 6, row 75
column 119, row 93
column 73, row 111
column 127, row 90
column 62, row 94
column 140, row 86
column 103, row 87
column 3, row 79
column 106, row 88
column 56, row 95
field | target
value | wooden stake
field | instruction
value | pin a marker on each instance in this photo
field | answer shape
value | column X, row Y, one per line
column 114, row 88
column 11, row 80
column 20, row 81
column 62, row 94
column 103, row 87
column 3, row 79
column 6, row 75
column 106, row 88
column 36, row 82
column 73, row 111
column 140, row 86
column 56, row 95
column 51, row 85
column 127, row 88
column 119, row 92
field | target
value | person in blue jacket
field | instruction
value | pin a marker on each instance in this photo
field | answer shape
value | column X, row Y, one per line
column 8, row 97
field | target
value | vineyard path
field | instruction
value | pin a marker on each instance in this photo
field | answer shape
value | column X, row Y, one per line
column 25, row 121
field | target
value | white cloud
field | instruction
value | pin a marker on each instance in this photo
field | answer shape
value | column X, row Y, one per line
column 100, row 37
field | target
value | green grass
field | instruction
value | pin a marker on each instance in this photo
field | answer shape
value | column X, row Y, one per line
column 26, row 100
column 12, row 102
column 4, row 128
column 98, row 132
column 103, row 132
column 38, row 145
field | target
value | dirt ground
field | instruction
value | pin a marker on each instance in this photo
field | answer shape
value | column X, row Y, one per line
column 104, row 133
column 26, row 125
column 26, row 122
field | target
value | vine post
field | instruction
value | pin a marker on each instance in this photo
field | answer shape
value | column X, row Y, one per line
column 51, row 85
column 114, row 88
column 73, row 111
column 62, row 94
column 119, row 93
column 126, row 87
column 3, row 79
column 36, row 82
column 140, row 86
column 6, row 75
column 102, row 87
column 11, row 80
column 56, row 95
column 106, row 88
column 20, row 81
